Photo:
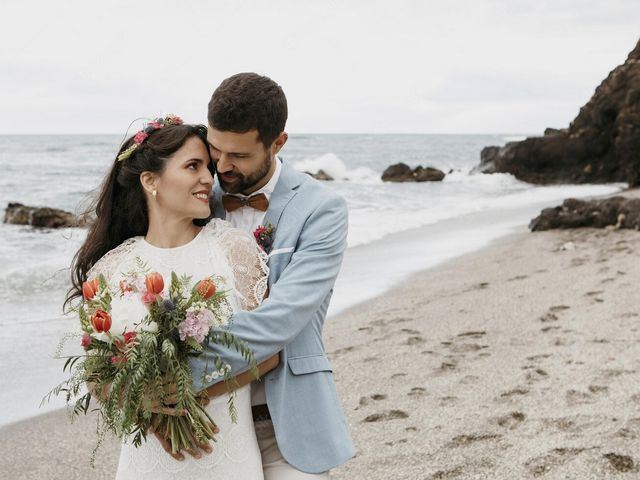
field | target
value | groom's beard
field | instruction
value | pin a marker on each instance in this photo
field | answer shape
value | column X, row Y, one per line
column 242, row 182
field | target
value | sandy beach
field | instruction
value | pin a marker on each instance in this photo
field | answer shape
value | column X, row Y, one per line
column 521, row 360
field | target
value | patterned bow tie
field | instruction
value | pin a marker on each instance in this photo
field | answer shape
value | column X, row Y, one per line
column 259, row 202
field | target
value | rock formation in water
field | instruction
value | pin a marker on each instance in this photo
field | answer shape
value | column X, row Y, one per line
column 601, row 145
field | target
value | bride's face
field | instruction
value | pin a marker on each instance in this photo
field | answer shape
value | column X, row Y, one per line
column 184, row 187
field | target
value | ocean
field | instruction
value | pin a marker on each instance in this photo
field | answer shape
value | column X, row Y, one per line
column 394, row 229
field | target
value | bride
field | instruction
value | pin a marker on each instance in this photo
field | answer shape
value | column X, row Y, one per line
column 152, row 207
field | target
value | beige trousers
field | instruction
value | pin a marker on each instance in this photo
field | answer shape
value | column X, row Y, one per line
column 273, row 465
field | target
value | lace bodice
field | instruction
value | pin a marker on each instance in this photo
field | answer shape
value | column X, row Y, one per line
column 218, row 249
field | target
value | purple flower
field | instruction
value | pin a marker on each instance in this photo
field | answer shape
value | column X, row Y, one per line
column 168, row 305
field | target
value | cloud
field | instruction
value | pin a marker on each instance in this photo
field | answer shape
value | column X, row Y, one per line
column 371, row 66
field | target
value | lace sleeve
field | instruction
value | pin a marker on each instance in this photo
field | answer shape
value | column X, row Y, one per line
column 248, row 264
column 109, row 262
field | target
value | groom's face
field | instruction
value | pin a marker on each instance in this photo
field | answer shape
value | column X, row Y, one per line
column 243, row 164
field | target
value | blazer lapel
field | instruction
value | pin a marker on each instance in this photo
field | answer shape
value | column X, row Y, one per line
column 286, row 189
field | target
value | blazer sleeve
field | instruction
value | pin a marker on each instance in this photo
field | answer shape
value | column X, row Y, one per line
column 299, row 292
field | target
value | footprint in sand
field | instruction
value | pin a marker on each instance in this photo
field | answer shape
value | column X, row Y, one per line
column 548, row 329
column 621, row 463
column 549, row 317
column 466, row 440
column 537, row 375
column 511, row 421
column 576, row 397
column 386, row 416
column 415, row 340
column 539, row 356
column 543, row 464
column 398, row 375
column 364, row 401
column 563, row 342
column 515, row 392
column 410, row 331
column 447, row 366
column 456, row 472
column 417, row 392
column 598, row 389
column 616, row 372
column 340, row 351
column 468, row 347
column 365, row 329
column 518, row 277
column 559, row 308
column 473, row 334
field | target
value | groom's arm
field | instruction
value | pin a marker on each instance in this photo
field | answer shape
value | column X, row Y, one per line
column 295, row 297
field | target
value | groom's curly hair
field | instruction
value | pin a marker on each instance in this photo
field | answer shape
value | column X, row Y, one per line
column 248, row 101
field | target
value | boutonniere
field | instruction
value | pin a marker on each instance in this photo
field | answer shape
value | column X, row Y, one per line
column 264, row 236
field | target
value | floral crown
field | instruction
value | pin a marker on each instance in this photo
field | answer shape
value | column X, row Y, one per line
column 150, row 127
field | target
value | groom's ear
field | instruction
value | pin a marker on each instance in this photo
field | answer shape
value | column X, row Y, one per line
column 279, row 142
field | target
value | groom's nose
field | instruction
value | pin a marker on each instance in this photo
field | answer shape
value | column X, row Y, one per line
column 224, row 164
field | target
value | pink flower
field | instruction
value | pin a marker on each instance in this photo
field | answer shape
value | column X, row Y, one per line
column 148, row 298
column 259, row 231
column 140, row 137
column 196, row 324
column 174, row 119
column 86, row 341
column 154, row 124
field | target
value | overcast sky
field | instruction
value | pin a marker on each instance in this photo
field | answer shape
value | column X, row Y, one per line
column 393, row 66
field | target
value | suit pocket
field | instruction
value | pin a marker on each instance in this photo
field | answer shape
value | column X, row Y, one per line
column 309, row 364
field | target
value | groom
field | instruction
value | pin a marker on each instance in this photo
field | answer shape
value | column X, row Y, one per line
column 299, row 421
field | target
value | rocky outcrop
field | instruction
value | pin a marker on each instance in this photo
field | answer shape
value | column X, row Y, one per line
column 321, row 175
column 19, row 214
column 601, row 145
column 618, row 212
column 401, row 172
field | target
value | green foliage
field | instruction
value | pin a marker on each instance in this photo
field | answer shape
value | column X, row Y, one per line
column 129, row 380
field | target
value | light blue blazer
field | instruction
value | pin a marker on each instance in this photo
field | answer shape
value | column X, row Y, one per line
column 310, row 237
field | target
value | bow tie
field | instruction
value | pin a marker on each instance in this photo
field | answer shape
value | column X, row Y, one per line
column 259, row 202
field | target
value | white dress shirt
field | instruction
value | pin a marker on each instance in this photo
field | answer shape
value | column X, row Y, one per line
column 248, row 219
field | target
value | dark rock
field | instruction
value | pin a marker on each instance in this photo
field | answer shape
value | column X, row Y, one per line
column 19, row 214
column 601, row 145
column 401, row 172
column 548, row 132
column 321, row 175
column 619, row 212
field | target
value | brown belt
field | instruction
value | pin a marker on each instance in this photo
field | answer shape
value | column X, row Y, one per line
column 260, row 413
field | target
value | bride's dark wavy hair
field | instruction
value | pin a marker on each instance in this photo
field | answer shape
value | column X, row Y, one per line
column 120, row 208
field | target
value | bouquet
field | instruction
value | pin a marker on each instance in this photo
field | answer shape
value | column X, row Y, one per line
column 137, row 340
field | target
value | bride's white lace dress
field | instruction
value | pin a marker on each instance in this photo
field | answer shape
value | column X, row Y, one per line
column 221, row 250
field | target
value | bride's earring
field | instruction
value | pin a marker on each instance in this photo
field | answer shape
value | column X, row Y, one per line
column 154, row 193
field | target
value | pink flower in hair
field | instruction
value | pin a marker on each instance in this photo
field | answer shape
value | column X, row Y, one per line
column 174, row 119
column 154, row 125
column 140, row 137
